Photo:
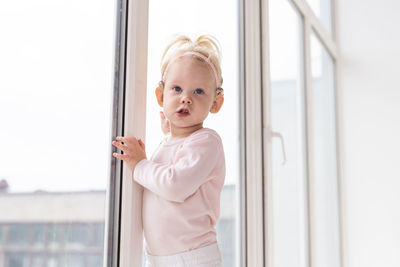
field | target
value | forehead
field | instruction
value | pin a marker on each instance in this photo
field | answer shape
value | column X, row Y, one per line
column 190, row 69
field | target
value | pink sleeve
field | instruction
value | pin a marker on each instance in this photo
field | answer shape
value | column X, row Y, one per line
column 191, row 167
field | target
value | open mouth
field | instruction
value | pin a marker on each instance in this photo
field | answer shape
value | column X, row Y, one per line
column 183, row 111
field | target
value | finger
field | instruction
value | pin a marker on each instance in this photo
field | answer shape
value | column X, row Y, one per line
column 123, row 139
column 120, row 146
column 162, row 115
column 142, row 145
column 120, row 156
column 119, row 138
column 166, row 125
column 126, row 139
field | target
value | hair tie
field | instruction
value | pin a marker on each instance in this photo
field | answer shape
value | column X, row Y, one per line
column 207, row 60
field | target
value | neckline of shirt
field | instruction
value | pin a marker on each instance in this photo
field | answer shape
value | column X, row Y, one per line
column 178, row 140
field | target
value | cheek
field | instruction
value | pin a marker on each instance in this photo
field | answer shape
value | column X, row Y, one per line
column 205, row 107
column 169, row 105
column 167, row 100
column 210, row 103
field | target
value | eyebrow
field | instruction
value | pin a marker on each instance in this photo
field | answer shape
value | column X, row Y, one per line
column 175, row 84
column 200, row 83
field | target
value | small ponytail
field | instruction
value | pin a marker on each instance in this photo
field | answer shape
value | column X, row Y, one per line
column 207, row 45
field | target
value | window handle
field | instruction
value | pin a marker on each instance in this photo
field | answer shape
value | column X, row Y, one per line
column 279, row 135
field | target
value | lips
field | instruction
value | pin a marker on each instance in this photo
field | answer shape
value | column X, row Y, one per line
column 183, row 112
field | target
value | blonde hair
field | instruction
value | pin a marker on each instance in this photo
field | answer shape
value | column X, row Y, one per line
column 206, row 45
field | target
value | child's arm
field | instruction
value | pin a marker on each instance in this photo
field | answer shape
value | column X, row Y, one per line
column 191, row 167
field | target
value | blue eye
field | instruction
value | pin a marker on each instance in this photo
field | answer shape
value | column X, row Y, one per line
column 177, row 89
column 199, row 91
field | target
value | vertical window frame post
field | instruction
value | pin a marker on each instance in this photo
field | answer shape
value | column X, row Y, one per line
column 251, row 125
column 124, row 231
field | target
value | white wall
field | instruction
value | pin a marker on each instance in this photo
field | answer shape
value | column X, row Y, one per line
column 369, row 40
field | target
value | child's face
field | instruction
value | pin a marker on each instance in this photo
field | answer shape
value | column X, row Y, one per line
column 189, row 93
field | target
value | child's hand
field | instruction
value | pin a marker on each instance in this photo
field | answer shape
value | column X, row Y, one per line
column 164, row 123
column 134, row 150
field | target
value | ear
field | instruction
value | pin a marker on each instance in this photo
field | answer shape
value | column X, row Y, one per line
column 160, row 96
column 217, row 104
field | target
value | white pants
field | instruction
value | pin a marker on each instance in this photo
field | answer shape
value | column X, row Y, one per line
column 209, row 256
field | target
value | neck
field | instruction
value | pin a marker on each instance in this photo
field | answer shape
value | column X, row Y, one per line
column 181, row 132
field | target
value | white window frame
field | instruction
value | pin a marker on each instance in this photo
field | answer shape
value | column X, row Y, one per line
column 251, row 127
column 123, row 230
column 131, row 238
column 311, row 24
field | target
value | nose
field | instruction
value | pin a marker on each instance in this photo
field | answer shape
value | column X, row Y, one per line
column 186, row 100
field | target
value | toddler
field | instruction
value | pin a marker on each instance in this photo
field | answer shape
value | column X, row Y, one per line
column 184, row 177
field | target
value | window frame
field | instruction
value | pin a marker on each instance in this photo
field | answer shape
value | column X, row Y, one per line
column 131, row 246
column 253, row 241
column 311, row 24
column 124, row 197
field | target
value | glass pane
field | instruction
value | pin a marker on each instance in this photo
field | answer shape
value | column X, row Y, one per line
column 325, row 183
column 56, row 236
column 37, row 260
column 39, row 235
column 56, row 82
column 17, row 259
column 75, row 259
column 77, row 235
column 55, row 261
column 19, row 234
column 97, row 235
column 289, row 220
column 194, row 18
column 323, row 10
column 1, row 235
column 94, row 260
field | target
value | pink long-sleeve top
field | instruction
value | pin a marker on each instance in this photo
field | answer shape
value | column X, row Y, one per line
column 181, row 200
